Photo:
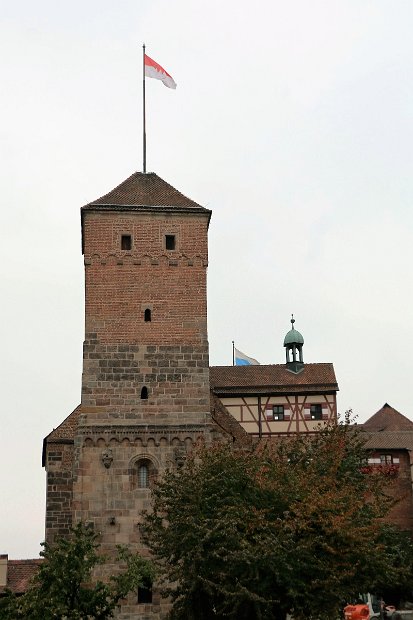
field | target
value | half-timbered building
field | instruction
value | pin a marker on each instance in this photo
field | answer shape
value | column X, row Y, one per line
column 278, row 399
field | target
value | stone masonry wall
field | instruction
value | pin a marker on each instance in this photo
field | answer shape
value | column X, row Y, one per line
column 59, row 489
column 176, row 379
column 107, row 490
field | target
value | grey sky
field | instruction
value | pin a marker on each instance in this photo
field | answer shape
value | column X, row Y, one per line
column 292, row 121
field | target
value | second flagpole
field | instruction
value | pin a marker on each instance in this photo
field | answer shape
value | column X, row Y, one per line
column 144, row 113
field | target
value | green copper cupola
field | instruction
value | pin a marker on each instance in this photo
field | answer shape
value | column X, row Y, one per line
column 293, row 343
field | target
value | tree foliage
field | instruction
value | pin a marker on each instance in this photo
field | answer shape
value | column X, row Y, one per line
column 256, row 534
column 63, row 586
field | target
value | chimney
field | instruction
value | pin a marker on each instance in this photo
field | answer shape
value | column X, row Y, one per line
column 3, row 570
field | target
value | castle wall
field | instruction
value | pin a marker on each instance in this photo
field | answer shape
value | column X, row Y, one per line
column 59, row 489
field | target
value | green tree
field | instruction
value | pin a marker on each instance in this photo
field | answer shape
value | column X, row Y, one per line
column 63, row 587
column 395, row 548
column 256, row 534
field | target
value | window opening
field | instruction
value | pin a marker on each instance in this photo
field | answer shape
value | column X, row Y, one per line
column 145, row 592
column 126, row 242
column 148, row 315
column 316, row 412
column 170, row 242
column 386, row 459
column 144, row 393
column 143, row 476
column 278, row 412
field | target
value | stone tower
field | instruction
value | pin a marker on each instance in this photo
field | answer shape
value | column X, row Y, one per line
column 145, row 384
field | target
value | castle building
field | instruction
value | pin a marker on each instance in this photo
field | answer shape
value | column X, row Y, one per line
column 278, row 399
column 389, row 440
column 148, row 393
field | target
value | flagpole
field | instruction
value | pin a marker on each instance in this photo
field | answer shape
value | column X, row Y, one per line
column 233, row 353
column 144, row 113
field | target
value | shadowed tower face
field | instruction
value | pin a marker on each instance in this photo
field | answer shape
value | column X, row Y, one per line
column 146, row 349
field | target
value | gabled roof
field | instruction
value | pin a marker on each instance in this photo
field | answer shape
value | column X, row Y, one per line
column 388, row 419
column 274, row 378
column 146, row 190
column 19, row 574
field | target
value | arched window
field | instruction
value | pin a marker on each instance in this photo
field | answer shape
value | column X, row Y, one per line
column 142, row 472
column 144, row 393
column 147, row 315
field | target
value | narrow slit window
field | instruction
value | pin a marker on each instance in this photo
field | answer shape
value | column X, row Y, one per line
column 148, row 315
column 170, row 242
column 143, row 476
column 144, row 393
column 145, row 593
column 126, row 242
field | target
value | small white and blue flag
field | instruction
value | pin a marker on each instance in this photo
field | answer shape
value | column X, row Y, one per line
column 243, row 360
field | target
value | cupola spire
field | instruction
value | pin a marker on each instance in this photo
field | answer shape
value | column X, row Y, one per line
column 293, row 343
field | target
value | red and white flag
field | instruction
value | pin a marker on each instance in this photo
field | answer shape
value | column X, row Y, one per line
column 153, row 70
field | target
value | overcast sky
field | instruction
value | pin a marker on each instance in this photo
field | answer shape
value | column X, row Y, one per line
column 292, row 121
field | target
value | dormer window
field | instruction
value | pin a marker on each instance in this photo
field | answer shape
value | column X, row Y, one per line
column 170, row 242
column 126, row 242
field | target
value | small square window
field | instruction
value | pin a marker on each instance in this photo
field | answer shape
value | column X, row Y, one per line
column 278, row 412
column 126, row 242
column 316, row 412
column 170, row 242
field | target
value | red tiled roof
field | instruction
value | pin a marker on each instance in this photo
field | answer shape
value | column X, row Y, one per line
column 275, row 378
column 64, row 433
column 66, row 430
column 142, row 190
column 19, row 574
column 388, row 419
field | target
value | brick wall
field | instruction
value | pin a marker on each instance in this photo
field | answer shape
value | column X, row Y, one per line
column 123, row 353
column 121, row 284
column 401, row 488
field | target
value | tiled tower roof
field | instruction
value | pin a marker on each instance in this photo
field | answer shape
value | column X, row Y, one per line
column 142, row 190
column 388, row 419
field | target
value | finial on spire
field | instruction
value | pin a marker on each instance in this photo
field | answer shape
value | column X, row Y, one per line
column 292, row 321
